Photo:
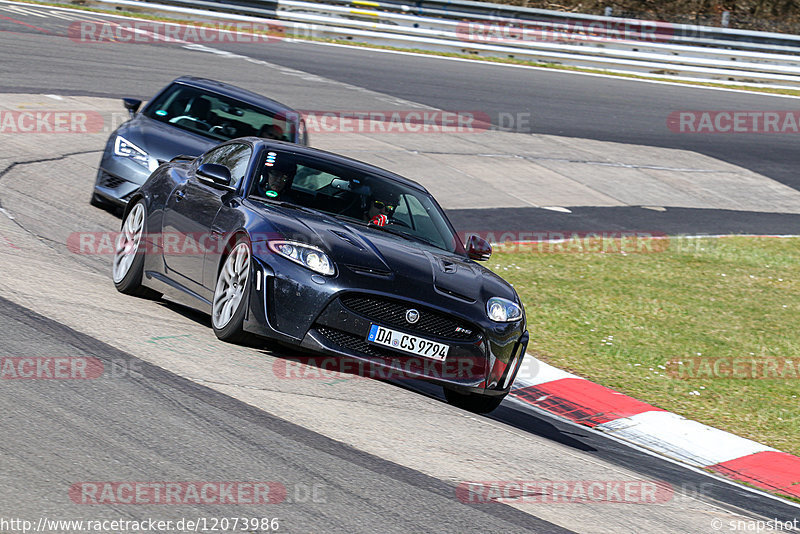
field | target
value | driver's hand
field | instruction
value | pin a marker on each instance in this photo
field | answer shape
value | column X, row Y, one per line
column 380, row 220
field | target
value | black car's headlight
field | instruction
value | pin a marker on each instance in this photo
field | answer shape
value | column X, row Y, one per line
column 125, row 149
column 306, row 255
column 503, row 310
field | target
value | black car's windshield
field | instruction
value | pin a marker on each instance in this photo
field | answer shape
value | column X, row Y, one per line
column 217, row 117
column 356, row 196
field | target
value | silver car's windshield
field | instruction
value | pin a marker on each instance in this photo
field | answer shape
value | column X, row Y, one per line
column 216, row 116
column 354, row 196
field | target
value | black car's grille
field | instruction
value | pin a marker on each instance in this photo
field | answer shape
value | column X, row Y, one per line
column 352, row 342
column 393, row 313
column 110, row 181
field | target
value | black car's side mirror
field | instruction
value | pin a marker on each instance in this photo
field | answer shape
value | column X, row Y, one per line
column 215, row 175
column 478, row 248
column 132, row 105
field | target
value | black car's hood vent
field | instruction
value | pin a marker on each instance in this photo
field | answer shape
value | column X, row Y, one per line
column 367, row 271
column 347, row 238
column 451, row 293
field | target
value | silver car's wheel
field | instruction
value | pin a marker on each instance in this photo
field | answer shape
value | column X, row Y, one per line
column 231, row 285
column 127, row 268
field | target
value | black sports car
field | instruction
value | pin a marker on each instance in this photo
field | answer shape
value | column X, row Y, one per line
column 189, row 116
column 316, row 250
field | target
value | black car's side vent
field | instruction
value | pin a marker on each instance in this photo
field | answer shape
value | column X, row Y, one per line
column 370, row 272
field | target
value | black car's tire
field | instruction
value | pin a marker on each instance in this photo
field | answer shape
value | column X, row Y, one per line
column 99, row 202
column 472, row 402
column 128, row 264
column 229, row 304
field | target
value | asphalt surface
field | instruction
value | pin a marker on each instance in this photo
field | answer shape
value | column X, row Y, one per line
column 58, row 433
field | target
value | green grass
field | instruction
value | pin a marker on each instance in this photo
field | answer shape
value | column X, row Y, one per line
column 615, row 318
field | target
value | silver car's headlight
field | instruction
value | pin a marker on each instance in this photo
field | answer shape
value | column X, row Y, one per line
column 503, row 310
column 306, row 255
column 125, row 149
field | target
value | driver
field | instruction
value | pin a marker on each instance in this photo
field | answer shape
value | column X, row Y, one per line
column 276, row 177
column 380, row 209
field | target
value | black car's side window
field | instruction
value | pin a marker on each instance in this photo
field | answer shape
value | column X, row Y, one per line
column 235, row 156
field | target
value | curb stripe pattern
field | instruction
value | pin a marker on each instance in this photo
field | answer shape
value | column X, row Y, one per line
column 578, row 400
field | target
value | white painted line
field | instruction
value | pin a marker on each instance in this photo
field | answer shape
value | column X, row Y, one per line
column 55, row 97
column 17, row 9
column 557, row 208
column 4, row 212
column 682, row 439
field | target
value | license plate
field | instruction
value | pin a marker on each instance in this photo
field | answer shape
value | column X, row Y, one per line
column 407, row 343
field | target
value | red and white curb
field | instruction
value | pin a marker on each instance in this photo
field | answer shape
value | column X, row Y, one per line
column 583, row 402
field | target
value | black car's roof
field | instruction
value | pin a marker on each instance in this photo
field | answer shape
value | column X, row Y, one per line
column 238, row 93
column 335, row 159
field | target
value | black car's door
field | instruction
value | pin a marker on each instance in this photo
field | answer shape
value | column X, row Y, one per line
column 188, row 224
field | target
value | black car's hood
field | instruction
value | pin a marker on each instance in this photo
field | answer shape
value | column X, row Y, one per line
column 372, row 252
column 163, row 141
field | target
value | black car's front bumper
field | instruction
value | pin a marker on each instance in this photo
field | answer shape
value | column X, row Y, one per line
column 334, row 316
